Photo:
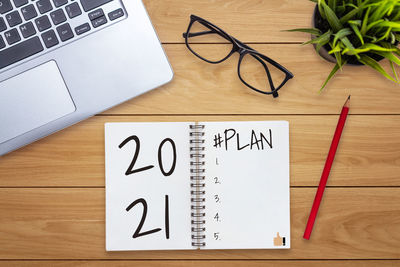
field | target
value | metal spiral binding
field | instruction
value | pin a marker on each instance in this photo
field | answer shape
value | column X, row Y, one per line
column 197, row 185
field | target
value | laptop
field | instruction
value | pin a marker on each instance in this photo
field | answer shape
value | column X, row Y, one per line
column 62, row 61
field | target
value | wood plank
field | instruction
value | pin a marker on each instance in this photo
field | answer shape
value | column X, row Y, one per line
column 368, row 155
column 185, row 263
column 353, row 223
column 202, row 88
column 247, row 20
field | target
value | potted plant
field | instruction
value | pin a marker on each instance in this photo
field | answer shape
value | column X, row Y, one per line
column 358, row 32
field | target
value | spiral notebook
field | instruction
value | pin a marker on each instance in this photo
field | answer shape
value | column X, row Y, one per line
column 200, row 185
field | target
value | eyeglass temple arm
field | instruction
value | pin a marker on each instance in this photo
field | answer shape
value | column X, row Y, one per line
column 189, row 35
column 196, row 34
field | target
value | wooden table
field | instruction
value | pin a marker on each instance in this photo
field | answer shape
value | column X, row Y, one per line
column 52, row 192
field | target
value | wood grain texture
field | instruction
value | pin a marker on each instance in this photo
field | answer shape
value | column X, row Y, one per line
column 64, row 223
column 247, row 20
column 202, row 88
column 65, row 226
column 202, row 263
column 368, row 155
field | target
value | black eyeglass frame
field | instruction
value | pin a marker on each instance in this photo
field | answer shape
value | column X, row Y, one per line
column 242, row 49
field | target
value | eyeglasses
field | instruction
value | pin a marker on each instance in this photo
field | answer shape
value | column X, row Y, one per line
column 255, row 70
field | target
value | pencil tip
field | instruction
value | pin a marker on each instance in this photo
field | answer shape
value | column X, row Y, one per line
column 347, row 103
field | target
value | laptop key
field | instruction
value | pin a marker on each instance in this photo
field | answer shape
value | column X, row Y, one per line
column 13, row 18
column 5, row 6
column 99, row 21
column 65, row 32
column 116, row 14
column 27, row 29
column 2, row 43
column 73, row 10
column 82, row 29
column 92, row 4
column 19, row 3
column 20, row 51
column 12, row 36
column 59, row 3
column 44, row 6
column 49, row 38
column 29, row 12
column 3, row 25
column 96, row 14
column 58, row 16
column 43, row 23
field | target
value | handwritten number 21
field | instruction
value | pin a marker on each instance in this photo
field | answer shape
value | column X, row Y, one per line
column 130, row 169
column 142, row 201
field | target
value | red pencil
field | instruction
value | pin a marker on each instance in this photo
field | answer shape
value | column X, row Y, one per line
column 327, row 169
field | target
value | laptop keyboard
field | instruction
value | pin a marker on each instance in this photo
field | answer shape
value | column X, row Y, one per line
column 30, row 27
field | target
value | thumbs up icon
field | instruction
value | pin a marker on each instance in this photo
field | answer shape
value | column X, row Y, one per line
column 278, row 240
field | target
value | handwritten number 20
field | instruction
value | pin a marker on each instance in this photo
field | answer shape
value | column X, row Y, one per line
column 130, row 169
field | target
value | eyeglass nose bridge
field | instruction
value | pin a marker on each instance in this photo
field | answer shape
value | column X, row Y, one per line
column 240, row 47
column 241, row 50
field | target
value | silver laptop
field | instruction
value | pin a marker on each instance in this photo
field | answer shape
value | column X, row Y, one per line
column 62, row 61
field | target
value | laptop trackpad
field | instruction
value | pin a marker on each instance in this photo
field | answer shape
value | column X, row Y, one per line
column 32, row 99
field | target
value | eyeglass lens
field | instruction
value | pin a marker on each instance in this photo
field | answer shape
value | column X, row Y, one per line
column 217, row 47
column 253, row 71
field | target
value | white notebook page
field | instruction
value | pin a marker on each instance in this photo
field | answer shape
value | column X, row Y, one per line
column 150, row 185
column 247, row 186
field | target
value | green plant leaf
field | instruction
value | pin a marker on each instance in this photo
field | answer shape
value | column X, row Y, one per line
column 366, row 48
column 341, row 34
column 349, row 48
column 385, row 23
column 333, row 72
column 382, row 9
column 365, row 22
column 392, row 38
column 351, row 5
column 322, row 43
column 352, row 13
column 313, row 31
column 368, row 61
column 355, row 22
column 372, row 24
column 332, row 5
column 336, row 49
column 357, row 32
column 389, row 56
column 338, row 57
column 397, row 36
column 331, row 17
column 372, row 38
column 394, row 71
column 395, row 48
column 322, row 38
column 396, row 16
column 321, row 9
column 340, row 9
column 386, row 35
column 375, row 47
